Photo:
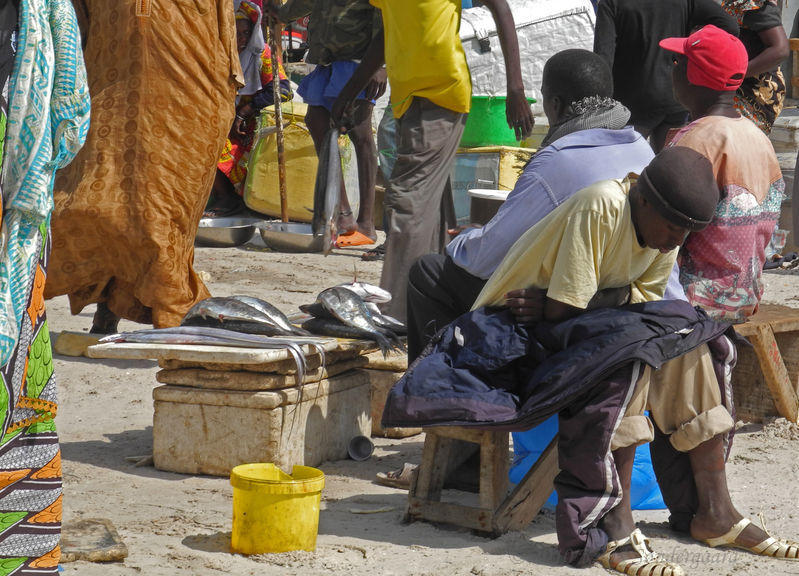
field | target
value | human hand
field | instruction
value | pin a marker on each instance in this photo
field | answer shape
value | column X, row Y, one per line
column 341, row 113
column 458, row 229
column 519, row 114
column 376, row 86
column 527, row 304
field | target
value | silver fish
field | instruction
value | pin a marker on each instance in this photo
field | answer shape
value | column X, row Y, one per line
column 214, row 336
column 327, row 191
column 349, row 309
column 278, row 318
column 386, row 321
column 369, row 292
column 226, row 309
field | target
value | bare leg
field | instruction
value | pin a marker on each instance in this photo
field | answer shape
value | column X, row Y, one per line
column 223, row 200
column 317, row 119
column 104, row 321
column 716, row 513
column 366, row 153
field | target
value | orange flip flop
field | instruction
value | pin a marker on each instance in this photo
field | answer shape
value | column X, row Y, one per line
column 355, row 238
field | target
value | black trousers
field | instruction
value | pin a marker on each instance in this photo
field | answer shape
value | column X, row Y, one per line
column 438, row 292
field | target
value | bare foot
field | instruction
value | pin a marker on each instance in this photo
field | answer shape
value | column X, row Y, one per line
column 703, row 529
column 346, row 223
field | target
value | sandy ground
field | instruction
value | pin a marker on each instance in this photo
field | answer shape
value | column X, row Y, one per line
column 177, row 524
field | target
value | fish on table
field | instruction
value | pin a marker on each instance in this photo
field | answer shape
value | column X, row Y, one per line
column 241, row 314
column 210, row 336
column 341, row 312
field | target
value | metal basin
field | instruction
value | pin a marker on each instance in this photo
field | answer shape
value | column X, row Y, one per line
column 225, row 232
column 290, row 237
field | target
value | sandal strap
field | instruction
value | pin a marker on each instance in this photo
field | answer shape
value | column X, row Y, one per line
column 730, row 537
column 776, row 548
column 649, row 563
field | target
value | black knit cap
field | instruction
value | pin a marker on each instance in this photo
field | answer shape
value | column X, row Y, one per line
column 679, row 183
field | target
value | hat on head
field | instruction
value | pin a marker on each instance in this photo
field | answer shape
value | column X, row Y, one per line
column 679, row 183
column 716, row 59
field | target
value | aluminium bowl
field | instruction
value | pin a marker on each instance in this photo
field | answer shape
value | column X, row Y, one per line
column 225, row 232
column 290, row 237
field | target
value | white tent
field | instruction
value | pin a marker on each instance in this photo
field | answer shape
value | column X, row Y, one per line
column 544, row 27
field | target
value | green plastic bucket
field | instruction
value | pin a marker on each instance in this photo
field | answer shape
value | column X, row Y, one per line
column 487, row 124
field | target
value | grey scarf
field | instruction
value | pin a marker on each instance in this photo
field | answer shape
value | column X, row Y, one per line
column 589, row 112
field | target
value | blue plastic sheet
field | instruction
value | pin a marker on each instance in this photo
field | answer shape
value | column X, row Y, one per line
column 528, row 446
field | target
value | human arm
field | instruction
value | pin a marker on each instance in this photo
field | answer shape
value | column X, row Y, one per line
column 517, row 109
column 531, row 305
column 372, row 61
column 776, row 50
column 605, row 32
column 534, row 196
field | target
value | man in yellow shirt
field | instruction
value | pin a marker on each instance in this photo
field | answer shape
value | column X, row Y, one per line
column 612, row 242
column 430, row 96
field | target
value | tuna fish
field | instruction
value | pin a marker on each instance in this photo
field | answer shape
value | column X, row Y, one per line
column 327, row 191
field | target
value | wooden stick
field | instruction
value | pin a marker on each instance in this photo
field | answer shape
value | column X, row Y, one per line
column 275, row 45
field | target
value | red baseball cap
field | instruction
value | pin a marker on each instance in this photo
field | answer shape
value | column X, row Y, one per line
column 716, row 59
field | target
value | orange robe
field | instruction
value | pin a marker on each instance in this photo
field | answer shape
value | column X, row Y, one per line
column 163, row 77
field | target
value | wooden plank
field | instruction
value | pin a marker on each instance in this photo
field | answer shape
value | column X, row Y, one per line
column 450, row 513
column 199, row 353
column 775, row 373
column 459, row 433
column 780, row 318
column 526, row 500
column 494, row 465
column 429, row 479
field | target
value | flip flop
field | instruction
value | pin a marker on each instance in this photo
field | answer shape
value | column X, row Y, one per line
column 355, row 238
column 375, row 253
column 397, row 478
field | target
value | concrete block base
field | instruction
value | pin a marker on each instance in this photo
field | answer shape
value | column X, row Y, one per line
column 206, row 431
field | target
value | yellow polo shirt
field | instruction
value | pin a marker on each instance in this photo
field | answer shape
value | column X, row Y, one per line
column 424, row 56
column 586, row 244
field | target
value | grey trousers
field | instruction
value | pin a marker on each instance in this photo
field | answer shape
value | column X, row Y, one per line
column 415, row 200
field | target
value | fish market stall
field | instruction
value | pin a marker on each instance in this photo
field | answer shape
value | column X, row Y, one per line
column 276, row 394
column 221, row 406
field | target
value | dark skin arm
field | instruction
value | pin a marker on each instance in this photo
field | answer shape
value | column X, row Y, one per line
column 517, row 109
column 372, row 61
column 776, row 43
column 532, row 305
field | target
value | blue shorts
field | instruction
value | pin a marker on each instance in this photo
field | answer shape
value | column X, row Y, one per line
column 322, row 86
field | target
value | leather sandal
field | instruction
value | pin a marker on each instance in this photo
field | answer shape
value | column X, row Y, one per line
column 771, row 547
column 648, row 563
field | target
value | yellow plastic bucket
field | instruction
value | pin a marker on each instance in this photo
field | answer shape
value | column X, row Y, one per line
column 274, row 511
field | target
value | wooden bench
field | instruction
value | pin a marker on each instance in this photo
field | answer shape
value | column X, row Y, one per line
column 496, row 511
column 774, row 334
